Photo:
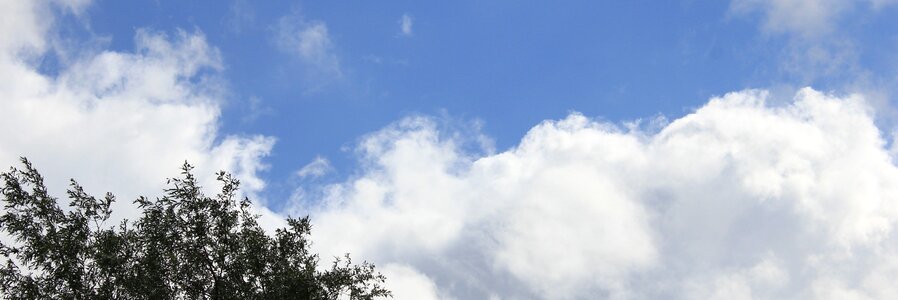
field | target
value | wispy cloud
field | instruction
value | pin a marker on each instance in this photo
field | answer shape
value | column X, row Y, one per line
column 405, row 25
column 241, row 15
column 317, row 168
column 814, row 43
column 803, row 17
column 256, row 109
column 808, row 18
column 310, row 42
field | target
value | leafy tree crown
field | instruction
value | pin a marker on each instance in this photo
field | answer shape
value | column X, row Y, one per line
column 184, row 245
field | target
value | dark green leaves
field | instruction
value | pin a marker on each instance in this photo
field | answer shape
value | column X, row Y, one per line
column 184, row 245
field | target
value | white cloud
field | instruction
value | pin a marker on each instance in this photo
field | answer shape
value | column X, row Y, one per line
column 118, row 121
column 419, row 286
column 20, row 29
column 808, row 18
column 815, row 43
column 310, row 42
column 739, row 200
column 405, row 25
column 317, row 168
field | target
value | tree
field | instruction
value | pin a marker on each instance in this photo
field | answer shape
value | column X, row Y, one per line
column 185, row 245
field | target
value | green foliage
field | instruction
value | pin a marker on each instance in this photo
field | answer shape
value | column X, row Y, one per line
column 185, row 245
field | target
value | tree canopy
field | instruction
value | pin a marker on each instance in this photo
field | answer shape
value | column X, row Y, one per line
column 184, row 245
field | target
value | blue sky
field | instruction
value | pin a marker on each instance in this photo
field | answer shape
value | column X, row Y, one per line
column 507, row 64
column 736, row 149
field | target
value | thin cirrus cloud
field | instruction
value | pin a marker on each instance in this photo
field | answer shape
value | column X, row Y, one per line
column 310, row 42
column 317, row 168
column 738, row 200
column 808, row 18
column 823, row 45
column 119, row 121
column 405, row 25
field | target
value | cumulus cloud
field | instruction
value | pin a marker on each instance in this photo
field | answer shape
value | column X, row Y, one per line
column 405, row 25
column 738, row 200
column 118, row 121
column 310, row 42
column 417, row 285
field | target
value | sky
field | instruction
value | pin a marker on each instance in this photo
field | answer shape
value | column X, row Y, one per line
column 494, row 149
